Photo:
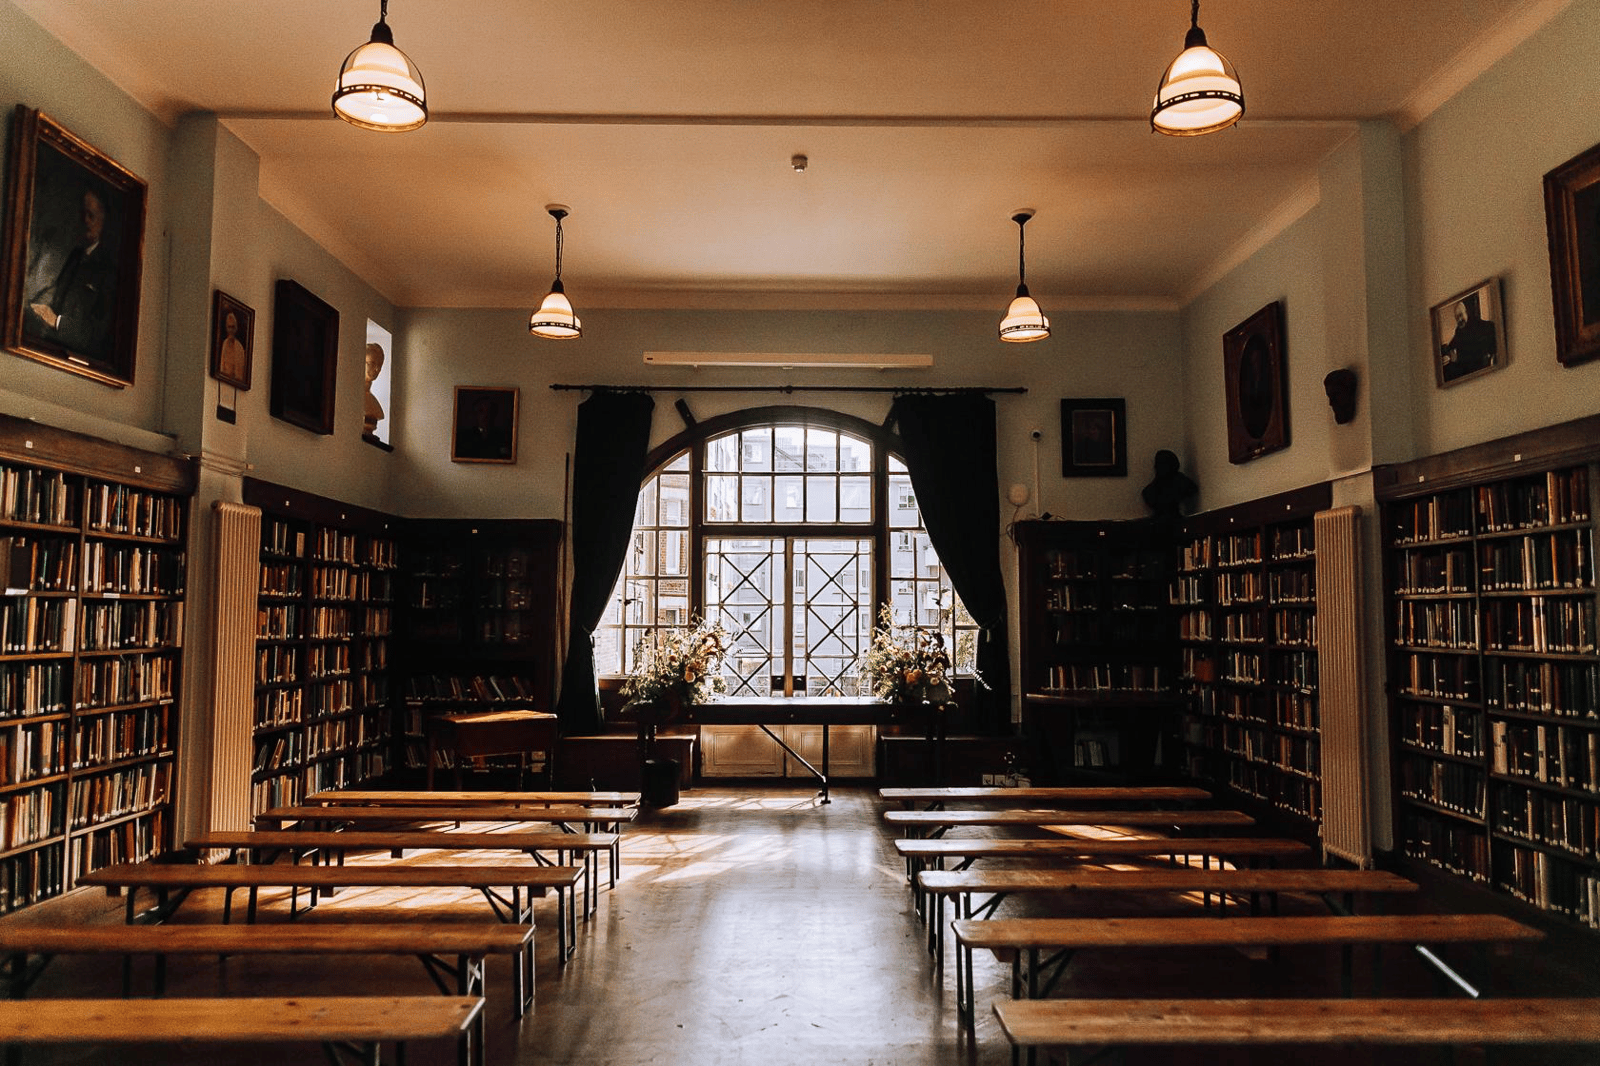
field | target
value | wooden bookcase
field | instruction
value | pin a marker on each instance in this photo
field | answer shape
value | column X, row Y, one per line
column 480, row 611
column 325, row 617
column 1245, row 592
column 1099, row 654
column 93, row 540
column 1494, row 677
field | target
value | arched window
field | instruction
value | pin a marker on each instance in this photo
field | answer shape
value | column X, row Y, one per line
column 791, row 526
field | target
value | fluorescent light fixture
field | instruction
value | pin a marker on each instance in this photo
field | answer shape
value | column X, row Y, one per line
column 785, row 360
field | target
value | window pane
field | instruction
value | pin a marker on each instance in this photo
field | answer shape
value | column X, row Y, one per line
column 757, row 450
column 788, row 448
column 674, row 552
column 722, row 498
column 902, row 503
column 644, row 551
column 822, row 505
column 788, row 500
column 757, row 499
column 723, row 453
column 644, row 514
column 854, row 453
column 833, row 602
column 822, row 451
column 742, row 577
column 855, row 499
column 674, row 493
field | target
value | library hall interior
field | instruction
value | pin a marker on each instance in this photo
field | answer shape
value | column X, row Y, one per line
column 858, row 532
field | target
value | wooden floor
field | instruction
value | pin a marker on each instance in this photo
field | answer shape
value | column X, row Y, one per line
column 755, row 926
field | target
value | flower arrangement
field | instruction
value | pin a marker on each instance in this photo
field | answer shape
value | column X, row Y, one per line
column 678, row 665
column 907, row 663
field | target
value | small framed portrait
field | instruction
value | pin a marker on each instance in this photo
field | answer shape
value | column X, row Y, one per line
column 1572, row 218
column 233, row 331
column 1469, row 334
column 485, row 427
column 305, row 357
column 74, row 246
column 1094, row 438
column 1256, row 386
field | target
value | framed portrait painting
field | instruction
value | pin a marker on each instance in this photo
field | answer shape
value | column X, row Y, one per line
column 1094, row 438
column 74, row 246
column 1255, row 385
column 1469, row 334
column 1572, row 221
column 233, row 332
column 305, row 357
column 485, row 426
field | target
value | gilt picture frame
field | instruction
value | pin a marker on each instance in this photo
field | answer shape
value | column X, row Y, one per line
column 484, row 427
column 74, row 251
column 1256, row 386
column 1572, row 224
column 305, row 357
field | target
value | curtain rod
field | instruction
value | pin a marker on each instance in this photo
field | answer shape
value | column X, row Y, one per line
column 907, row 390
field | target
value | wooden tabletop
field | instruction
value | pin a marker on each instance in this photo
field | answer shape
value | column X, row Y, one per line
column 455, row 798
column 241, row 1019
column 401, row 839
column 536, row 879
column 412, row 938
column 1084, row 794
column 1239, row 932
column 937, row 819
column 1294, row 1021
column 1165, row 879
column 403, row 814
column 1056, row 847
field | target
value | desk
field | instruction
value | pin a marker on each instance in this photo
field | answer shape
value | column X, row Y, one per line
column 825, row 711
column 482, row 733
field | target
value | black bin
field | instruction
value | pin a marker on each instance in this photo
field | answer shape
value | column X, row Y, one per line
column 660, row 782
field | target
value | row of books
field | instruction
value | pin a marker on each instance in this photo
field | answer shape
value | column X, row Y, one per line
column 1563, row 689
column 1434, row 570
column 28, row 752
column 1431, row 518
column 278, row 706
column 30, row 624
column 1443, row 728
column 1553, row 498
column 125, row 679
column 1294, row 542
column 132, row 624
column 132, row 569
column 1559, row 560
column 116, row 508
column 327, row 660
column 334, row 545
column 1436, row 623
column 132, row 841
column 1240, row 587
column 1292, row 586
column 1445, row 677
column 1551, row 883
column 29, row 495
column 281, row 579
column 1564, row 756
column 31, row 877
column 350, row 732
column 483, row 687
column 31, row 815
column 1285, row 751
column 107, row 738
column 1105, row 677
column 1560, row 624
column 38, row 564
column 1238, row 549
column 1461, row 848
column 1294, row 628
column 1244, row 627
column 1098, row 627
column 102, row 797
column 1293, row 794
column 280, row 751
column 1541, row 818
column 1454, row 786
column 277, row 662
column 330, row 623
column 279, row 621
column 279, row 537
column 28, row 689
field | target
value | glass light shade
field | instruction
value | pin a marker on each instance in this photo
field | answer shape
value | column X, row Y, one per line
column 379, row 88
column 1199, row 93
column 554, row 320
column 1024, row 321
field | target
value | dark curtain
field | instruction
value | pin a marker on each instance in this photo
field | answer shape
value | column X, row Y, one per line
column 949, row 448
column 613, row 441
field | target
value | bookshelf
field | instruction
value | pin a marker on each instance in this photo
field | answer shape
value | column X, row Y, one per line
column 1494, row 676
column 1245, row 593
column 1099, row 658
column 480, row 612
column 93, row 543
column 324, row 622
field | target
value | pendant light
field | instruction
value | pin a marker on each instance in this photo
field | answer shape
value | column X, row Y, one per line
column 1024, row 321
column 379, row 87
column 1199, row 93
column 554, row 320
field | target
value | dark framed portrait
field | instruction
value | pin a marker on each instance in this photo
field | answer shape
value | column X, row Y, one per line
column 74, row 247
column 305, row 357
column 233, row 331
column 1572, row 220
column 1256, row 385
column 485, row 425
column 1094, row 438
column 1469, row 334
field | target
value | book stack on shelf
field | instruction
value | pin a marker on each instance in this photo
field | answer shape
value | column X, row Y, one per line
column 323, row 716
column 1098, row 648
column 1245, row 593
column 92, row 581
column 1495, row 675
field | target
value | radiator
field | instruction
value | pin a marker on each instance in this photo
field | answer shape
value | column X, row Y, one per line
column 1346, row 816
column 237, row 552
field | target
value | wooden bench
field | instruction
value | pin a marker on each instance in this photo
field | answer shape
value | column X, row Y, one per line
column 1012, row 797
column 29, row 949
column 1001, row 883
column 265, row 845
column 173, row 882
column 1082, row 1023
column 935, row 823
column 1022, row 939
column 351, row 797
column 366, row 1021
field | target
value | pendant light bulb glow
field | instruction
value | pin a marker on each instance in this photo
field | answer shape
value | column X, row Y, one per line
column 1200, row 92
column 1024, row 321
column 555, row 320
column 379, row 88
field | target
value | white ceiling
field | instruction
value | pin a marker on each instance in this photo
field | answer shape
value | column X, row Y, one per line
column 668, row 126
